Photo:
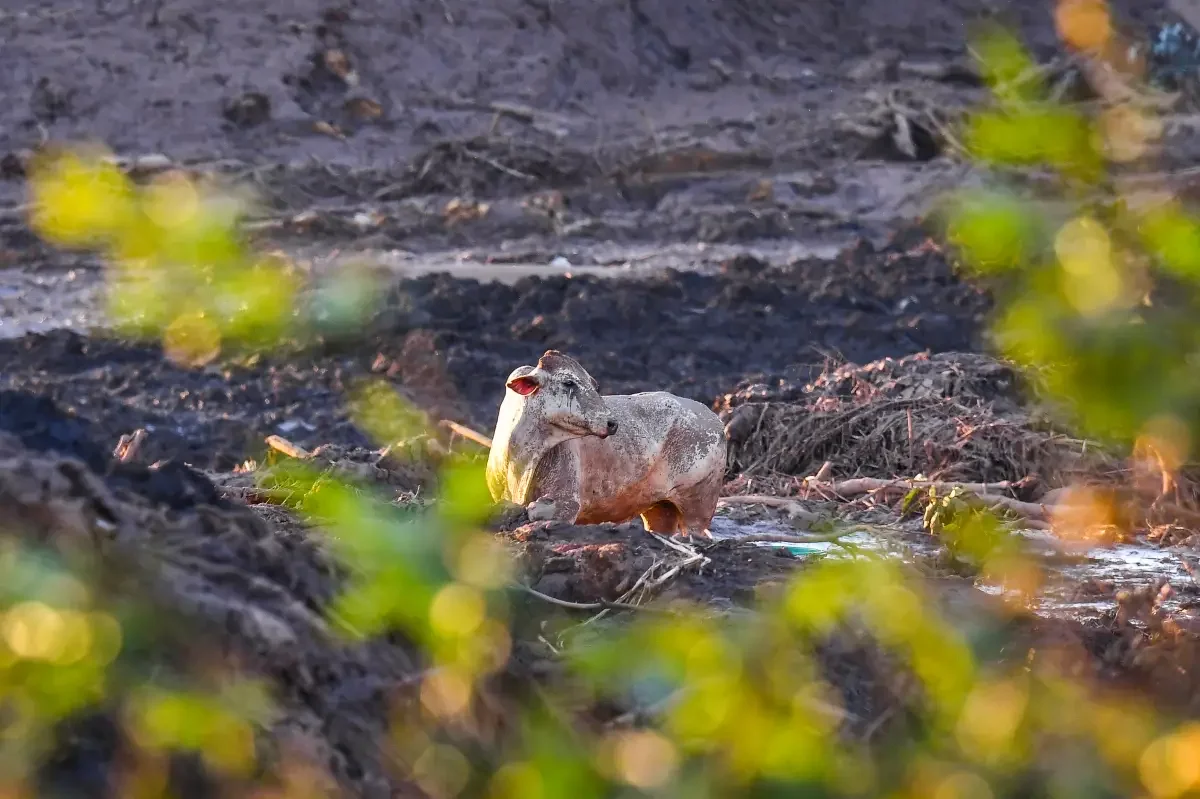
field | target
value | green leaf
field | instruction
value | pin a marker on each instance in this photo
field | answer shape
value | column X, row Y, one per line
column 1007, row 67
column 993, row 231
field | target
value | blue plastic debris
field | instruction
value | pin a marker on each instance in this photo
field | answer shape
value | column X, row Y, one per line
column 1174, row 56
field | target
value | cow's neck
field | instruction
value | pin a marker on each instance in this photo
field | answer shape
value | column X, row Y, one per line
column 528, row 442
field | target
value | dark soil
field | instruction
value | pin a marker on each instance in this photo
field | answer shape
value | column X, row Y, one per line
column 633, row 121
column 224, row 581
column 251, row 587
column 221, row 79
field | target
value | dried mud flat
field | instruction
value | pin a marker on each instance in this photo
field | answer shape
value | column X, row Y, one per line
column 689, row 161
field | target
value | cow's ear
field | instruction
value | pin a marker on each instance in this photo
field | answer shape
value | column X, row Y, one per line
column 525, row 385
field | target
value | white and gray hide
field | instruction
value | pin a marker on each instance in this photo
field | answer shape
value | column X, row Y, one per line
column 576, row 456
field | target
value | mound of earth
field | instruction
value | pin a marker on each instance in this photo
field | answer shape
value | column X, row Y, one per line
column 948, row 416
column 448, row 343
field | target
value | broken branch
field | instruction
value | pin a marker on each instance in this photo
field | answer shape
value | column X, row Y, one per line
column 563, row 603
column 467, row 433
column 866, row 485
column 281, row 444
column 870, row 485
column 791, row 506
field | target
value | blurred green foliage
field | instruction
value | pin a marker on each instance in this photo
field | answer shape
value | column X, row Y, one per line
column 1080, row 263
column 732, row 705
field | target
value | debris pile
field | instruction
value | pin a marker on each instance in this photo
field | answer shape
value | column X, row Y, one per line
column 950, row 416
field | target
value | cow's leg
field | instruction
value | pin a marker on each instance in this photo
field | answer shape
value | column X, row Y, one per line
column 662, row 518
column 698, row 507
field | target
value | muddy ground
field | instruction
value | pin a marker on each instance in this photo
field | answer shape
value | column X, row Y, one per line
column 449, row 343
column 703, row 198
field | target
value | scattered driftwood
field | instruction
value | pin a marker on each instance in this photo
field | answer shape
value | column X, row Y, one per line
column 953, row 418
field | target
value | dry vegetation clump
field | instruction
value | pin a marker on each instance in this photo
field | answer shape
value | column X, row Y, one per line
column 949, row 417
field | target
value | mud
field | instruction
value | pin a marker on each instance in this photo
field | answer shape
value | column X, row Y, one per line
column 225, row 580
column 718, row 179
column 440, row 338
column 219, row 79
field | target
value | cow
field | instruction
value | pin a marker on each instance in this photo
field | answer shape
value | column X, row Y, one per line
column 570, row 454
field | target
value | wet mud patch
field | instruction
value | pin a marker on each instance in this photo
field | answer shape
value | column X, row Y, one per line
column 610, row 563
column 447, row 343
column 692, row 333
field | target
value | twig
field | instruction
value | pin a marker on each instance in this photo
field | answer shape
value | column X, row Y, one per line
column 483, row 159
column 281, row 444
column 678, row 546
column 868, row 485
column 468, row 433
column 674, row 570
column 602, row 604
column 793, row 508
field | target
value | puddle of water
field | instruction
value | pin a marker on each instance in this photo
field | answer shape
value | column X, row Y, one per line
column 724, row 528
column 44, row 301
column 1117, row 567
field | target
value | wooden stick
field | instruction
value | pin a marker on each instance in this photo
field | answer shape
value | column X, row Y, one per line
column 467, row 433
column 281, row 444
column 866, row 485
column 1031, row 510
column 604, row 604
column 791, row 506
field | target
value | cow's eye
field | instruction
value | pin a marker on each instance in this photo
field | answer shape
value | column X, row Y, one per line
column 571, row 384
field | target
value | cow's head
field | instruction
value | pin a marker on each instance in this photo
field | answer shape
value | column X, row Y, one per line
column 560, row 392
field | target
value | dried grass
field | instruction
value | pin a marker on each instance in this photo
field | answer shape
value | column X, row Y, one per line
column 953, row 417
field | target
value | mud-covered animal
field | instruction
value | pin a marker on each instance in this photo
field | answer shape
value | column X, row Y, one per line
column 574, row 455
